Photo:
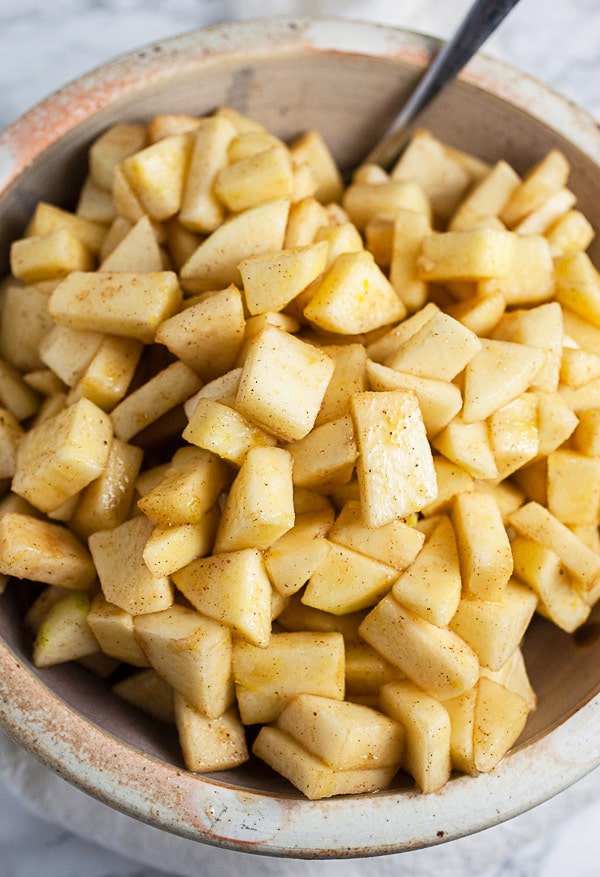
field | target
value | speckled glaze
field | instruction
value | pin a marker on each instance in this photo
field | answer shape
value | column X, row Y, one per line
column 347, row 79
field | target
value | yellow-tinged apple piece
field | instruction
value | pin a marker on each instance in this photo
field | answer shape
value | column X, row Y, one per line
column 498, row 373
column 354, row 296
column 121, row 303
column 434, row 658
column 233, row 588
column 395, row 465
column 431, row 585
column 214, row 264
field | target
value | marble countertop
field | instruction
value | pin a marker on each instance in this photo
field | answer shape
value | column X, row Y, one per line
column 42, row 46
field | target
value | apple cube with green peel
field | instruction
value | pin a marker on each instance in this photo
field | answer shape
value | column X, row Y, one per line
column 64, row 634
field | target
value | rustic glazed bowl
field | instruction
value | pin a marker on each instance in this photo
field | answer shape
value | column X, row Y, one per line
column 347, row 79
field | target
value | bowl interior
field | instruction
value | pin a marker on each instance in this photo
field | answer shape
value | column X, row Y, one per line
column 351, row 97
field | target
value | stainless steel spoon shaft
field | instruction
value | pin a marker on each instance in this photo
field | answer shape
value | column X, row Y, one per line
column 481, row 20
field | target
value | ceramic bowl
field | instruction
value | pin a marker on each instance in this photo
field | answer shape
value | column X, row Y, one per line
column 346, row 79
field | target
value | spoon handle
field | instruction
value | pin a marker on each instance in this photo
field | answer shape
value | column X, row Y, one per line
column 481, row 20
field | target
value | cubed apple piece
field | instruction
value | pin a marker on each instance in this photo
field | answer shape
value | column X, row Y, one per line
column 292, row 663
column 187, row 489
column 384, row 345
column 311, row 148
column 540, row 567
column 232, row 588
column 434, row 658
column 427, row 733
column 138, row 251
column 48, row 218
column 288, row 407
column 514, row 434
column 513, row 675
column 223, row 431
column 531, row 276
column 349, row 376
column 63, row 455
column 364, row 200
column 408, row 230
column 312, row 776
column 495, row 628
column 578, row 367
column 25, row 321
column 421, row 353
column 95, row 203
column 556, row 421
column 255, row 179
column 540, row 183
column 540, row 219
column 107, row 501
column 125, row 579
column 499, row 718
column 272, row 280
column 431, row 585
column 367, row 670
column 201, row 210
column 443, row 174
column 483, row 545
column 192, row 653
column 537, row 523
column 209, row 744
column 451, row 480
column 109, row 373
column 342, row 238
column 473, row 254
column 111, row 147
column 573, row 506
column 538, row 326
column 586, row 437
column 395, row 468
column 148, row 692
column 113, row 628
column 208, row 335
column 260, row 505
column 347, row 581
column 487, row 197
column 570, row 233
column 214, row 264
column 157, row 173
column 439, row 400
column 347, row 736
column 64, row 634
column 461, row 711
column 498, row 373
column 354, row 296
column 292, row 559
column 468, row 445
column 396, row 544
column 35, row 259
column 68, row 352
column 35, row 549
column 121, row 303
column 167, row 389
column 479, row 313
column 171, row 547
column 15, row 394
column 324, row 459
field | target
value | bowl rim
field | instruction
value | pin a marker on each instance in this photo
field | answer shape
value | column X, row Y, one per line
column 202, row 808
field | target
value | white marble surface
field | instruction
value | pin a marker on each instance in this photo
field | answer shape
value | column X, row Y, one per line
column 45, row 44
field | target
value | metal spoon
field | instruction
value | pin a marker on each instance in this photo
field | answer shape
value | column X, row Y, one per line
column 481, row 20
